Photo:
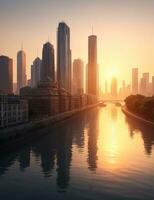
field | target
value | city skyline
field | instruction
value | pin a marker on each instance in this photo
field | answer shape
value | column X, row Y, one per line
column 120, row 42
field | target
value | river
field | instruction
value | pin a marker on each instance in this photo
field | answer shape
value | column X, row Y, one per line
column 99, row 154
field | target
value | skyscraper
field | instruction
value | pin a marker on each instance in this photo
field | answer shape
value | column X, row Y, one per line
column 6, row 75
column 36, row 72
column 64, row 57
column 114, row 88
column 92, row 65
column 21, row 70
column 143, row 86
column 48, row 63
column 146, row 78
column 135, row 81
column 78, row 76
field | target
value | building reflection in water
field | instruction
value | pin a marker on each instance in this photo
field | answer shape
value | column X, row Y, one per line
column 146, row 131
column 92, row 139
column 52, row 151
column 45, row 150
column 64, row 157
column 114, row 113
column 105, row 128
column 24, row 158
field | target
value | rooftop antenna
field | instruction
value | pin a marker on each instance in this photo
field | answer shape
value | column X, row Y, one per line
column 92, row 29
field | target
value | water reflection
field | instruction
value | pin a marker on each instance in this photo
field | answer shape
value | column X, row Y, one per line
column 92, row 139
column 114, row 113
column 146, row 131
column 53, row 151
column 100, row 143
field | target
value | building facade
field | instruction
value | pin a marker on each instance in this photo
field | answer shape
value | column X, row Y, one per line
column 6, row 75
column 92, row 65
column 36, row 72
column 13, row 110
column 21, row 70
column 135, row 81
column 78, row 77
column 48, row 63
column 63, row 57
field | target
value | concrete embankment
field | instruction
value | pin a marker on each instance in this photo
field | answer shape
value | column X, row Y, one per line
column 24, row 130
column 136, row 117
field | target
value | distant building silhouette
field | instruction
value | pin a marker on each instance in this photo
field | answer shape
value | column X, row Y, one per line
column 146, row 78
column 36, row 72
column 48, row 63
column 114, row 88
column 143, row 86
column 135, row 81
column 86, row 79
column 6, row 74
column 78, row 76
column 21, row 70
column 92, row 65
column 64, row 57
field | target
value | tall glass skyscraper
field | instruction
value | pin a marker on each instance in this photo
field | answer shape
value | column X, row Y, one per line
column 92, row 65
column 64, row 57
column 36, row 72
column 78, row 77
column 6, row 75
column 48, row 63
column 21, row 70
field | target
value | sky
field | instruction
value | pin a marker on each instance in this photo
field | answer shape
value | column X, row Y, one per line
column 125, row 31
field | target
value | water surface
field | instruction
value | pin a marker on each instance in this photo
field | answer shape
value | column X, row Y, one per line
column 99, row 154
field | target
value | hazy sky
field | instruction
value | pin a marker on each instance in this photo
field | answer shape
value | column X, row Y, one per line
column 125, row 30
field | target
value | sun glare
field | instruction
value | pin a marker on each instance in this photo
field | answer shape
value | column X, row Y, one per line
column 112, row 72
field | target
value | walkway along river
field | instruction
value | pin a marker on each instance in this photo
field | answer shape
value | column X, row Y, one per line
column 98, row 154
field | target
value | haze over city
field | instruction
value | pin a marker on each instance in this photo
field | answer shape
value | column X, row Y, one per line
column 77, row 99
column 124, row 30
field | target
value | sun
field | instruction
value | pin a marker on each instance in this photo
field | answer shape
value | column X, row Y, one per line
column 112, row 72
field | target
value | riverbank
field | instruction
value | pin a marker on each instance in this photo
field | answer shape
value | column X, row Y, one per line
column 25, row 130
column 136, row 117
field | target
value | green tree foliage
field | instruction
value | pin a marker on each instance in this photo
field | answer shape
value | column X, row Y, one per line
column 141, row 105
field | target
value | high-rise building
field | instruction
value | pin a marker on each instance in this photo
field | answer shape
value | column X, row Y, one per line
column 143, row 86
column 92, row 65
column 146, row 78
column 36, row 72
column 64, row 57
column 78, row 76
column 114, row 88
column 6, row 75
column 21, row 70
column 48, row 63
column 135, row 81
column 86, row 79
